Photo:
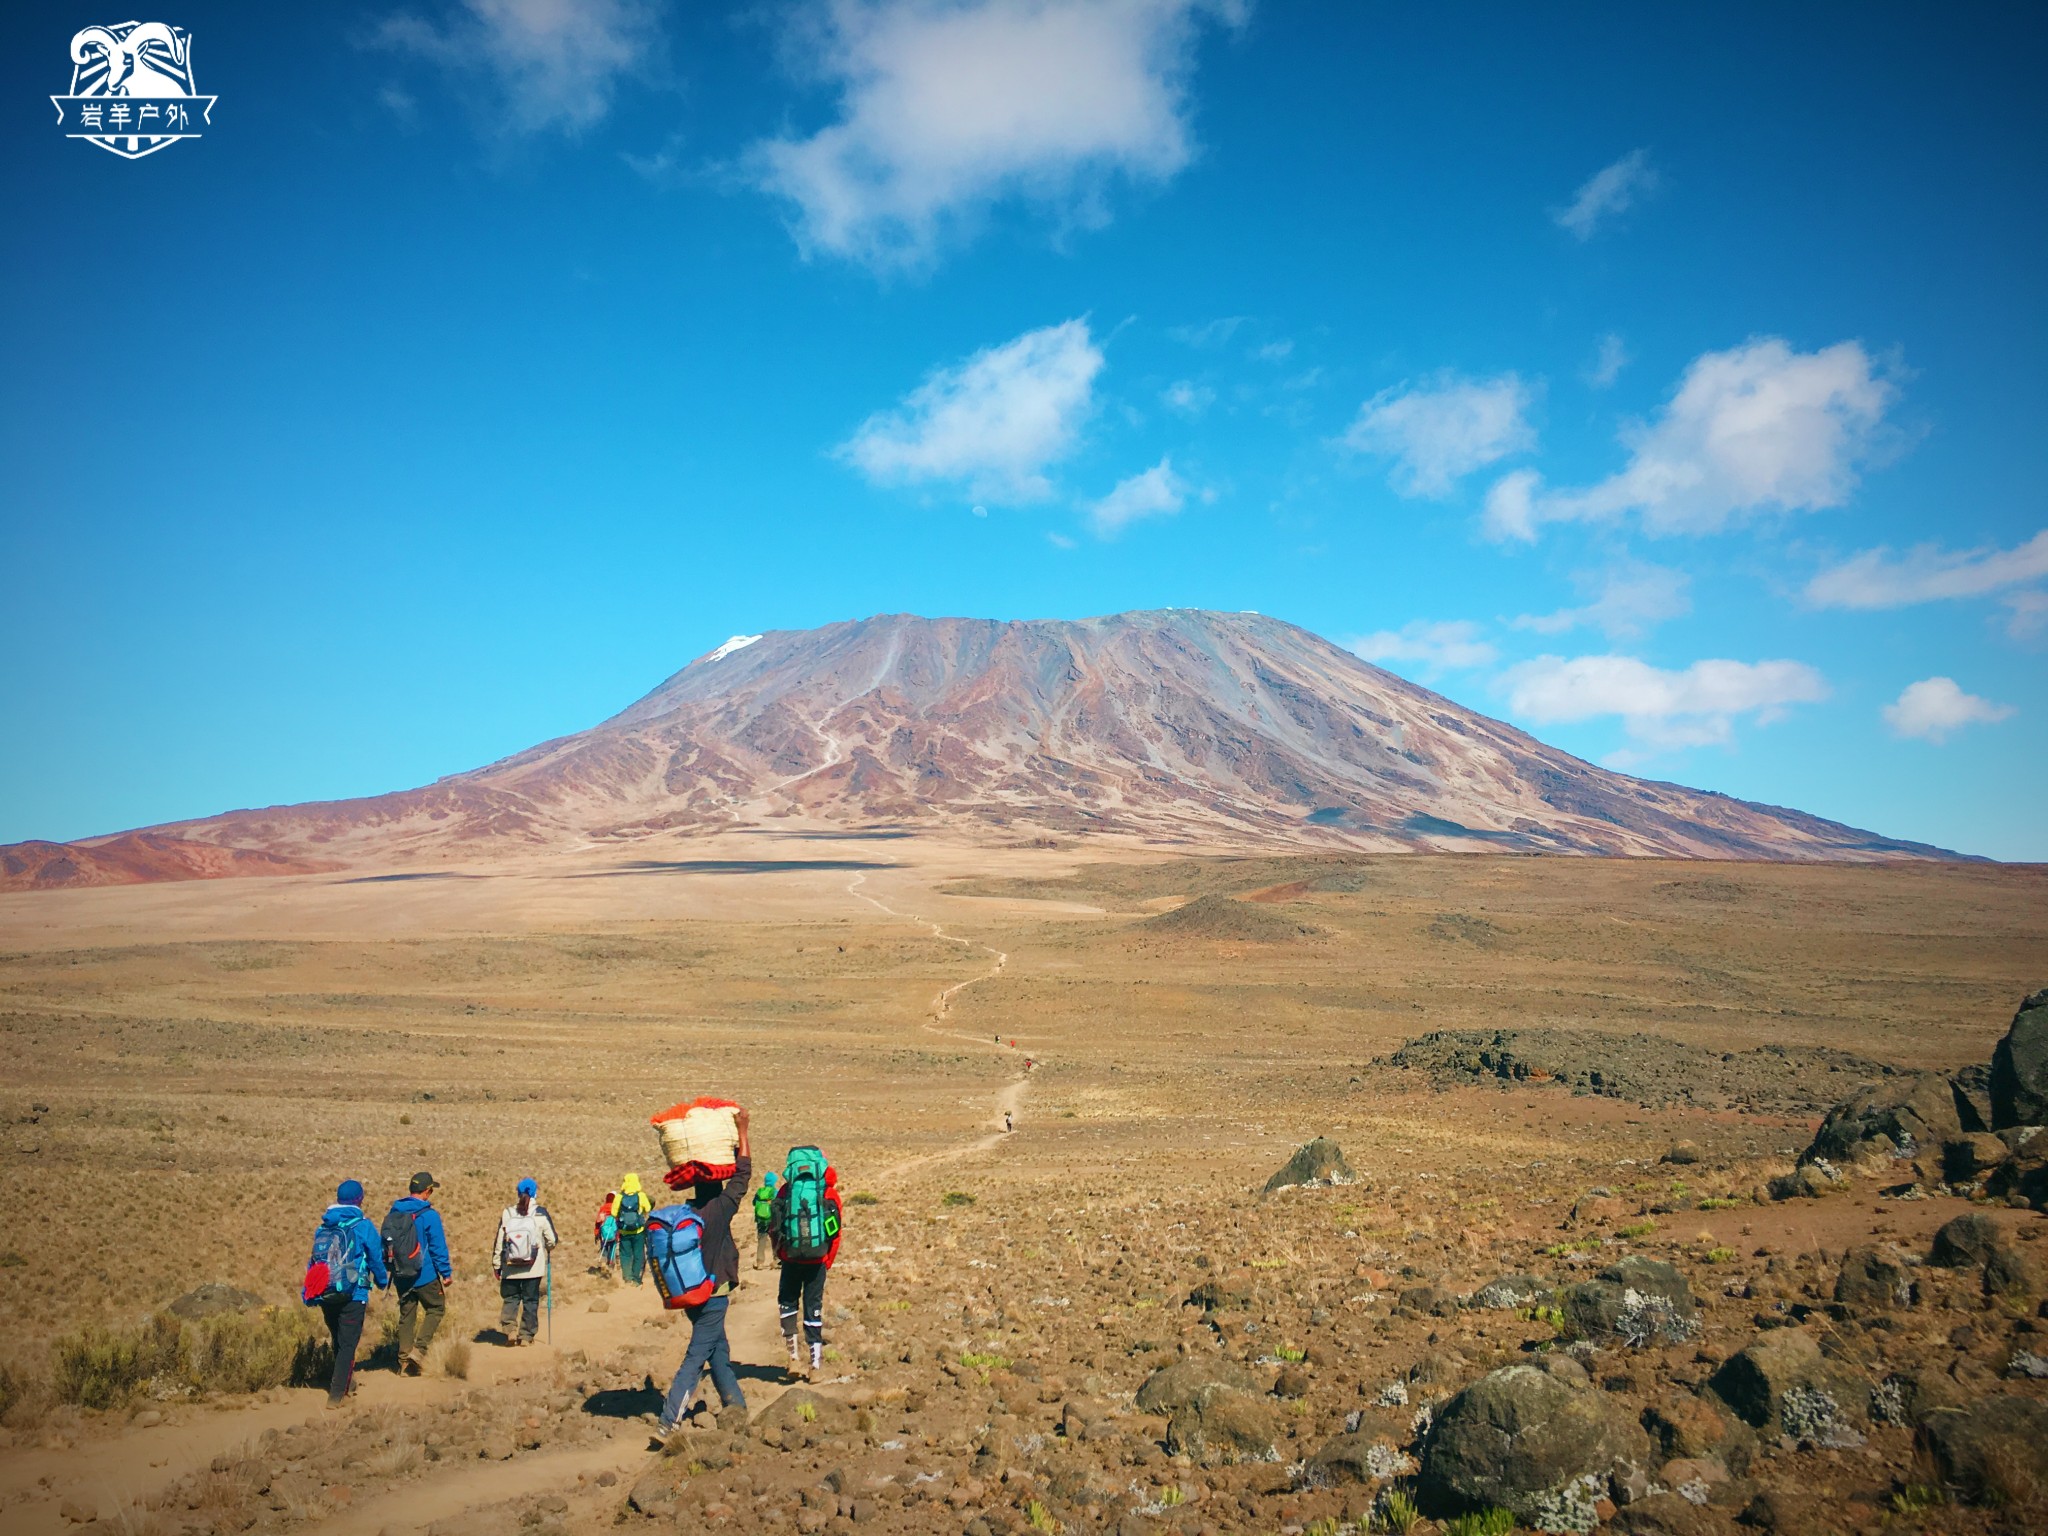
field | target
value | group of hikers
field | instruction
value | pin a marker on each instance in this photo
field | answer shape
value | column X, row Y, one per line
column 688, row 1248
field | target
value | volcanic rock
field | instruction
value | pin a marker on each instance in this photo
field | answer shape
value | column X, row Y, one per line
column 1972, row 1088
column 1667, row 1514
column 1187, row 1380
column 1872, row 1280
column 1967, row 1242
column 1995, row 1449
column 213, row 1299
column 1221, row 1426
column 1782, row 1384
column 1521, row 1438
column 2025, row 1174
column 1893, row 1118
column 2019, row 1067
column 1971, row 1156
column 1688, row 1427
column 1640, row 1302
column 1319, row 1162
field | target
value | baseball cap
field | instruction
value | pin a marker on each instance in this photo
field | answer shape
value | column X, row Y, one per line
column 421, row 1183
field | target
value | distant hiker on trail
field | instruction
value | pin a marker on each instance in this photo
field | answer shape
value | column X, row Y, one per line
column 764, row 1219
column 632, row 1209
column 1009, row 1121
column 716, row 1202
column 416, row 1249
column 807, row 1219
column 606, row 1232
column 519, row 1258
column 348, row 1256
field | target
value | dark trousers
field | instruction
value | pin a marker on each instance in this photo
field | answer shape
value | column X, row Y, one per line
column 421, row 1309
column 521, row 1300
column 707, row 1347
column 632, row 1255
column 802, row 1289
column 345, row 1329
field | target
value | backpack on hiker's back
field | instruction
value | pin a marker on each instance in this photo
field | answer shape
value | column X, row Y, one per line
column 675, row 1252
column 337, row 1269
column 404, row 1255
column 806, row 1214
column 632, row 1212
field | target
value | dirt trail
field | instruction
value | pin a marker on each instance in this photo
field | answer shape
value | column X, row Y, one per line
column 1010, row 1100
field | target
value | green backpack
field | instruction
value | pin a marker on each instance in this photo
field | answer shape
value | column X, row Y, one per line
column 806, row 1223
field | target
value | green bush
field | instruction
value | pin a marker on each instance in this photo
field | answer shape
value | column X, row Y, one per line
column 1487, row 1522
column 957, row 1198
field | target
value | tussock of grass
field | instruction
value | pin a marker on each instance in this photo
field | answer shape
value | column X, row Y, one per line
column 234, row 1352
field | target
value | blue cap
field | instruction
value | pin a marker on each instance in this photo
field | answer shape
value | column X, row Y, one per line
column 768, row 1178
column 349, row 1192
column 528, row 1187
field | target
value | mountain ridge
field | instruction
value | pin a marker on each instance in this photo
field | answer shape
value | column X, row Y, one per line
column 1172, row 726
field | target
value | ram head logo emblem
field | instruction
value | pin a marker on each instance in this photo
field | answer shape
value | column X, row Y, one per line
column 131, row 89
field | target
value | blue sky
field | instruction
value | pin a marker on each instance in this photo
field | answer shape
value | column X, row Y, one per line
column 1670, row 385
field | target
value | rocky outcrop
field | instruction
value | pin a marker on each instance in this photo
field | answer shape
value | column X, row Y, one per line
column 1642, row 1303
column 1896, row 1118
column 2019, row 1067
column 1318, row 1162
column 1530, row 1441
column 1994, row 1449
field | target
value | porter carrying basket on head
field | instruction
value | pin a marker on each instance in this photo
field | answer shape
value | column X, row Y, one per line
column 700, row 1140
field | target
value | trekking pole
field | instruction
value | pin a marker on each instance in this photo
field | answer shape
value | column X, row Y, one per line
column 551, row 1298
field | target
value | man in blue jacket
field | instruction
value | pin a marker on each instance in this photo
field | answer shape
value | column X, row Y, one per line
column 344, row 1310
column 416, row 1248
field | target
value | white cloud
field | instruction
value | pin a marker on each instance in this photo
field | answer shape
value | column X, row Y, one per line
column 1452, row 645
column 2028, row 613
column 1661, row 708
column 1188, row 397
column 1608, row 362
column 1274, row 351
column 994, row 423
column 1630, row 598
column 1927, row 574
column 1760, row 427
column 1444, row 429
column 1608, row 191
column 1157, row 492
column 1210, row 333
column 549, row 63
column 1935, row 706
column 948, row 106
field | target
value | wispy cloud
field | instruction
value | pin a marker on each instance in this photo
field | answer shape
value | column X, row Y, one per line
column 1934, row 707
column 949, row 106
column 1661, row 708
column 1188, row 397
column 1927, row 573
column 542, row 64
column 1607, row 192
column 994, row 423
column 1156, row 492
column 1757, row 428
column 1442, row 429
column 1608, row 361
column 1629, row 599
column 1447, row 645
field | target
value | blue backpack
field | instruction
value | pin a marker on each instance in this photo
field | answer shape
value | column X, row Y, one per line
column 675, row 1252
column 337, row 1270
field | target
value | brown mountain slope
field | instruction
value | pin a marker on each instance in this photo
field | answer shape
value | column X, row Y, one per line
column 137, row 858
column 1178, row 725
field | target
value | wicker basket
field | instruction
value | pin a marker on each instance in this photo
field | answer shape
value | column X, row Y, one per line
column 701, row 1136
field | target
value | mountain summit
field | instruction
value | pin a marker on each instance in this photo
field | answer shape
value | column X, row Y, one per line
column 1179, row 726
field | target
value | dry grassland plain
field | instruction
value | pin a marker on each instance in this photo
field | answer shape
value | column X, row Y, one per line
column 191, row 1069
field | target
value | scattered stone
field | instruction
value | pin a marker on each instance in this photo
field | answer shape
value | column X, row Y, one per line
column 1641, row 1302
column 1319, row 1162
column 1885, row 1120
column 2024, row 1175
column 1510, row 1293
column 1362, row 1456
column 1994, row 1449
column 1524, row 1440
column 1809, row 1181
column 1183, row 1382
column 1969, row 1157
column 1683, row 1153
column 212, row 1300
column 1872, row 1280
column 1689, row 1428
column 1782, row 1384
column 1669, row 1514
column 2019, row 1067
column 599, row 1305
column 1968, row 1242
column 1222, row 1426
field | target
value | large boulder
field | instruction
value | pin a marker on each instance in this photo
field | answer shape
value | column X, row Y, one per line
column 2019, row 1068
column 1688, row 1427
column 214, row 1299
column 1995, row 1449
column 1972, row 1155
column 1533, row 1442
column 1972, row 1088
column 1872, row 1280
column 1222, row 1426
column 2025, row 1174
column 1783, row 1384
column 1967, row 1242
column 1185, row 1381
column 1361, row 1456
column 1644, row 1303
column 1319, row 1162
column 1896, row 1117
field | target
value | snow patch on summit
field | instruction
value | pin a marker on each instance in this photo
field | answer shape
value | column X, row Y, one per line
column 736, row 643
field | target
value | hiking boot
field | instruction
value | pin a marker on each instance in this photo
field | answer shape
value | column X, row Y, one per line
column 336, row 1402
column 413, row 1365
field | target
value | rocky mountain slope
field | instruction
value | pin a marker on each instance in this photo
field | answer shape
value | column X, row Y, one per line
column 1175, row 726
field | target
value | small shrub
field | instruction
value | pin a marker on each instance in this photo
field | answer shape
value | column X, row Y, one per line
column 982, row 1362
column 11, row 1260
column 233, row 1352
column 102, row 1368
column 808, row 1412
column 1485, row 1522
column 1721, row 1255
column 863, row 1197
column 1039, row 1518
column 1171, row 1495
column 1290, row 1354
column 1636, row 1229
column 455, row 1360
column 1918, row 1498
column 1395, row 1511
column 956, row 1198
column 1718, row 1203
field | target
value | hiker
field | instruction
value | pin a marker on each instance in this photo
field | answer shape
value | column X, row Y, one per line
column 807, row 1220
column 348, row 1256
column 416, row 1251
column 519, row 1258
column 1009, row 1121
column 764, row 1213
column 606, row 1232
column 716, row 1202
column 632, row 1209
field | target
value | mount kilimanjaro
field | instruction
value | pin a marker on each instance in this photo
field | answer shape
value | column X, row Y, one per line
column 1179, row 727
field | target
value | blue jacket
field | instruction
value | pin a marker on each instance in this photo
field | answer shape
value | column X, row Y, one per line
column 434, row 1263
column 364, row 1231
